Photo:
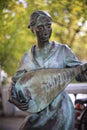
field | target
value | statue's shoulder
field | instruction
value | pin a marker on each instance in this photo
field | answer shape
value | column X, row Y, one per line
column 59, row 45
column 26, row 56
column 29, row 53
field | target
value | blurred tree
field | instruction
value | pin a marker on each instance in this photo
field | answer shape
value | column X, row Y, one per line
column 15, row 38
column 69, row 27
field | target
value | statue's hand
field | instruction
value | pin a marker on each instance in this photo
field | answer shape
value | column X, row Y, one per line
column 82, row 77
column 18, row 99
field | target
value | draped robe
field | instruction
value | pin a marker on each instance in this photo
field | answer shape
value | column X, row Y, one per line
column 59, row 115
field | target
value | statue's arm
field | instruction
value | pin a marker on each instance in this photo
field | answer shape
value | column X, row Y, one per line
column 17, row 98
column 21, row 69
column 71, row 60
column 18, row 74
column 82, row 77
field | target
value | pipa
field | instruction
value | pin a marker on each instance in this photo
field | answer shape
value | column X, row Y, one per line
column 43, row 85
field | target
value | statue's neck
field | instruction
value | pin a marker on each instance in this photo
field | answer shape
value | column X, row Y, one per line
column 43, row 50
column 43, row 44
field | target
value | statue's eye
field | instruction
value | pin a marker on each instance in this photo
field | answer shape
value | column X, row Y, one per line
column 40, row 28
column 49, row 26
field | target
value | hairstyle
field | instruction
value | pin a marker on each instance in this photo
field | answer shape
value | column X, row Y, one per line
column 35, row 15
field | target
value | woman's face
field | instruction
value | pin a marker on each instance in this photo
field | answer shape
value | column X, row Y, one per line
column 43, row 28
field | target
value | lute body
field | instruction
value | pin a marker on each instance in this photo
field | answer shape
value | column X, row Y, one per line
column 43, row 85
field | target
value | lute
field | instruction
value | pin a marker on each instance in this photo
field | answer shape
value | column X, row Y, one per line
column 43, row 85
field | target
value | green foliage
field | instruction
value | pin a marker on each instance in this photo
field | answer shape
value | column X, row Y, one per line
column 14, row 38
column 69, row 27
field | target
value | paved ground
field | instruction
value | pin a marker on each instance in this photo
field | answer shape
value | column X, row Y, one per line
column 10, row 123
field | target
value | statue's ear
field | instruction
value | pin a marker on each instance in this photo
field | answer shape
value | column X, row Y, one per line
column 30, row 28
column 32, row 31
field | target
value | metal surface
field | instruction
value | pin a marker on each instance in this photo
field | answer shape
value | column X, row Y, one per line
column 42, row 86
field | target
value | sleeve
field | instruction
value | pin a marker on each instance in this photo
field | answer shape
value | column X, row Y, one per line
column 21, row 70
column 71, row 60
column 17, row 97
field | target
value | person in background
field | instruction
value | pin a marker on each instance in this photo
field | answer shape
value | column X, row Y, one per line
column 59, row 115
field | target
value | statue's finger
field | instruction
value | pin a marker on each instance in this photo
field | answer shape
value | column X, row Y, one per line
column 23, row 107
column 14, row 92
column 21, row 97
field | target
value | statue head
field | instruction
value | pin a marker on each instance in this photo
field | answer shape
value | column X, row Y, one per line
column 40, row 24
column 35, row 16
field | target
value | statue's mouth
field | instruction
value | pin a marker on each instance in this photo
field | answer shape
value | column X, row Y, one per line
column 45, row 37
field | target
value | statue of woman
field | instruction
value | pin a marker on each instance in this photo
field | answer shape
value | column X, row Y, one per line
column 59, row 115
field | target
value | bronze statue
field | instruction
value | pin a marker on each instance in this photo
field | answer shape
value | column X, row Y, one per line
column 58, row 114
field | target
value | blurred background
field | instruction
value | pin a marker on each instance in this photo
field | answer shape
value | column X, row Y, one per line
column 69, row 27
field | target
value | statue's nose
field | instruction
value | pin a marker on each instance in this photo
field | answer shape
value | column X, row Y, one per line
column 45, row 30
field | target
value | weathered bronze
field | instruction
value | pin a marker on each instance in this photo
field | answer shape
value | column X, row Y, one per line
column 39, row 80
column 41, row 86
